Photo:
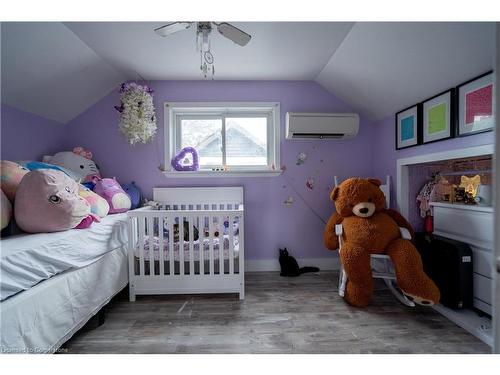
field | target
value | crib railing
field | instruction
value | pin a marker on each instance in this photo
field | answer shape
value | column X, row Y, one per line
column 160, row 248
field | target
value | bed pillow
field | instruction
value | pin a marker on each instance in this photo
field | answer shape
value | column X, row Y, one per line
column 98, row 205
column 47, row 201
column 11, row 176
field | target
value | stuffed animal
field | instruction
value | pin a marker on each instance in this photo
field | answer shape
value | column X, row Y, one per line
column 79, row 161
column 47, row 201
column 369, row 228
column 32, row 165
column 11, row 176
column 134, row 193
column 5, row 210
column 110, row 189
column 98, row 205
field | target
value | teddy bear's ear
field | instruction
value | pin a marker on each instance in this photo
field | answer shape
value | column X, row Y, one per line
column 335, row 193
column 375, row 181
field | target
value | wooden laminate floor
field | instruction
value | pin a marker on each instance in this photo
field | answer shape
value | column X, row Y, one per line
column 279, row 315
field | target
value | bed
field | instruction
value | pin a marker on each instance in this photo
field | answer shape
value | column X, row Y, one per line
column 193, row 244
column 52, row 283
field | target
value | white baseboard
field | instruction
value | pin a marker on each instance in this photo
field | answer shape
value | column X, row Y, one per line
column 267, row 265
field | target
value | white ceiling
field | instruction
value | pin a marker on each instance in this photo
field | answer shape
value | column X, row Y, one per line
column 58, row 70
column 381, row 68
column 277, row 50
column 48, row 71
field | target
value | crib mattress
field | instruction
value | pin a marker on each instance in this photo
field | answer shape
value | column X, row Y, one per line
column 187, row 256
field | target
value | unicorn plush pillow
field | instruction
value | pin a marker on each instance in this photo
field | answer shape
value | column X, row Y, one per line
column 78, row 161
column 47, row 201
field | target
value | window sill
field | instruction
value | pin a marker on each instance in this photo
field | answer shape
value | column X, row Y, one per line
column 197, row 174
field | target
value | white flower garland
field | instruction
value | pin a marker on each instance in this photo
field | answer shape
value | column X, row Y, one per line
column 137, row 113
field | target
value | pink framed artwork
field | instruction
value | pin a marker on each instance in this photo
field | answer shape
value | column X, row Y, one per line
column 475, row 105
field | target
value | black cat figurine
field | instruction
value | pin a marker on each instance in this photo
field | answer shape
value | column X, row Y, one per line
column 290, row 267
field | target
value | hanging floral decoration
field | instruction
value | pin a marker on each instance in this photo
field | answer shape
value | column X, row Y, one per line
column 137, row 113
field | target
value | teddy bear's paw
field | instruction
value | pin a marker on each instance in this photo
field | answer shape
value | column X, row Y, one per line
column 419, row 300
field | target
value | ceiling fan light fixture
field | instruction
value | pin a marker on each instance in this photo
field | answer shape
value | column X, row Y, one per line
column 172, row 28
column 233, row 33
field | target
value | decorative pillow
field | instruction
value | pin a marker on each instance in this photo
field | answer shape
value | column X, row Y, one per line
column 47, row 201
column 98, row 205
column 12, row 174
column 33, row 165
column 110, row 189
column 6, row 211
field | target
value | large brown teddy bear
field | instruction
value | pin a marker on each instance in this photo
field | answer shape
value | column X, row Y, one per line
column 369, row 228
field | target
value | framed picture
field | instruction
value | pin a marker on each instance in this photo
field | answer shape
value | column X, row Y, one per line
column 438, row 117
column 407, row 127
column 475, row 105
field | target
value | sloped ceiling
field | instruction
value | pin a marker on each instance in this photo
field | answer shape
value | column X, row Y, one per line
column 382, row 68
column 58, row 70
column 49, row 71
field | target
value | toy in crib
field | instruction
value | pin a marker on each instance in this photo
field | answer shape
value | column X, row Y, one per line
column 166, row 232
column 225, row 229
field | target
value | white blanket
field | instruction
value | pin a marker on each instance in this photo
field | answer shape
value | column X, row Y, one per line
column 27, row 259
column 196, row 249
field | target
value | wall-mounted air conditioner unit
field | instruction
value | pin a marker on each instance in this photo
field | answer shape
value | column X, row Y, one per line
column 321, row 125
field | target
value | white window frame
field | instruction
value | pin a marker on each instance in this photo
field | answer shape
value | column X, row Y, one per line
column 173, row 111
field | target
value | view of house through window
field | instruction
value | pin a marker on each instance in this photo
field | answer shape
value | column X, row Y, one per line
column 235, row 138
column 244, row 143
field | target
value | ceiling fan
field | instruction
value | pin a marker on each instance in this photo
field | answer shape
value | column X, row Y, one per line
column 203, row 30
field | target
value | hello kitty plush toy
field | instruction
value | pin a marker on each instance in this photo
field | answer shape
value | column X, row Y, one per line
column 78, row 161
column 110, row 189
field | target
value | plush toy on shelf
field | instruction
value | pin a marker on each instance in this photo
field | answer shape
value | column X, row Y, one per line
column 47, row 201
column 78, row 161
column 110, row 189
column 369, row 228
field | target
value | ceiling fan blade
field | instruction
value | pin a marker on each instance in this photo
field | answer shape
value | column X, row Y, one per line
column 171, row 28
column 232, row 32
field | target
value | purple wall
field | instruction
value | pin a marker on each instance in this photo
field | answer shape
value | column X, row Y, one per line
column 269, row 224
column 26, row 136
column 384, row 154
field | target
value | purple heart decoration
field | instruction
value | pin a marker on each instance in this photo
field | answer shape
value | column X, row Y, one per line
column 176, row 161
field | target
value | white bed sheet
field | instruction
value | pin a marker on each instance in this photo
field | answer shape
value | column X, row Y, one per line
column 41, row 319
column 27, row 259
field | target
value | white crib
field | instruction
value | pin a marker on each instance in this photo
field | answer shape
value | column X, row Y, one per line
column 163, row 259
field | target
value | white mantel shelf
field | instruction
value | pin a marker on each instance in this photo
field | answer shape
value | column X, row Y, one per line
column 462, row 206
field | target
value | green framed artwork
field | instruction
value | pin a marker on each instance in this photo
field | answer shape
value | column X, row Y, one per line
column 438, row 117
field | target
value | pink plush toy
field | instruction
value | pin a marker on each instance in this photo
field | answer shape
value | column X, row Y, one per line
column 47, row 200
column 110, row 189
column 11, row 176
column 98, row 205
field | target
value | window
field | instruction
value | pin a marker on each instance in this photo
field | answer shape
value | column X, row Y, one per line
column 228, row 137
